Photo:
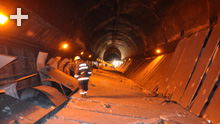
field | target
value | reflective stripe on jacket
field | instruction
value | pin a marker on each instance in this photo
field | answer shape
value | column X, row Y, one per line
column 82, row 71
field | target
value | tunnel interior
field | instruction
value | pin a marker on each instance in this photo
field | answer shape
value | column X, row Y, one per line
column 185, row 32
column 112, row 54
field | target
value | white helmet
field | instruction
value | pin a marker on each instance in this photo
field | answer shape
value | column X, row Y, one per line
column 77, row 58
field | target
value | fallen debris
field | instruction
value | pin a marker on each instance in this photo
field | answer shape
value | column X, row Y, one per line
column 161, row 121
column 164, row 118
column 21, row 117
column 150, row 93
column 52, row 107
column 168, row 101
column 7, row 108
column 52, row 93
column 92, row 85
column 14, row 122
column 105, row 105
column 180, row 115
column 5, row 59
column 167, row 117
column 54, row 117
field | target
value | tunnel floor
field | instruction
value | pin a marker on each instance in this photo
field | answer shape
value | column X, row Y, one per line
column 112, row 98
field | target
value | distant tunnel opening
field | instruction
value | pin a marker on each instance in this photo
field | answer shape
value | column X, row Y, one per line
column 112, row 57
column 111, row 54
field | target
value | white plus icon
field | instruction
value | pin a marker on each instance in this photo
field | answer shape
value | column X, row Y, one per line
column 18, row 16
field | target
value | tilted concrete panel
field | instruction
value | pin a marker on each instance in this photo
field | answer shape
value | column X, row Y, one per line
column 201, row 67
column 186, row 68
column 174, row 63
column 208, row 84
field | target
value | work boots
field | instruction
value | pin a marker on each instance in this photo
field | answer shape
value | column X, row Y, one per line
column 83, row 95
column 81, row 92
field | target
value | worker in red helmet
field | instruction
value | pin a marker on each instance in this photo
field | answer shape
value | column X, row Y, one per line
column 82, row 74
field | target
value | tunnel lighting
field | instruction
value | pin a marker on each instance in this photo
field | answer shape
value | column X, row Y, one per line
column 129, row 59
column 3, row 19
column 65, row 46
column 116, row 63
column 121, row 62
column 158, row 51
column 82, row 53
column 90, row 56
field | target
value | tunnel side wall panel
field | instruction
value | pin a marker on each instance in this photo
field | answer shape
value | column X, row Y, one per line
column 140, row 70
column 174, row 63
column 24, row 65
column 147, row 69
column 207, row 86
column 174, row 72
column 124, row 66
column 133, row 67
column 201, row 67
column 213, row 110
column 152, row 81
column 188, row 63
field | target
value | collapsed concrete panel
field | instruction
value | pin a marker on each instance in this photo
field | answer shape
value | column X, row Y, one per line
column 14, row 110
column 152, row 82
column 138, row 71
column 52, row 93
column 10, row 90
column 200, row 70
column 5, row 59
column 41, row 59
column 183, row 64
column 133, row 66
column 151, row 68
column 56, row 81
column 53, row 62
column 174, row 63
column 64, row 79
column 63, row 63
column 213, row 110
column 188, row 63
column 208, row 84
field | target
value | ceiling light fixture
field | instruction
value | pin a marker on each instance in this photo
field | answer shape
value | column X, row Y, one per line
column 3, row 19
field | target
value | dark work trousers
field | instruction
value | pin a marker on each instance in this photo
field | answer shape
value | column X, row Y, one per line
column 83, row 85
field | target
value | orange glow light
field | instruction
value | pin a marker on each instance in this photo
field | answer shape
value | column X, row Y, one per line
column 129, row 59
column 90, row 56
column 3, row 19
column 82, row 53
column 158, row 51
column 65, row 46
column 30, row 33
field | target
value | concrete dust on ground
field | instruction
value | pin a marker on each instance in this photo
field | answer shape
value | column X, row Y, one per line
column 114, row 99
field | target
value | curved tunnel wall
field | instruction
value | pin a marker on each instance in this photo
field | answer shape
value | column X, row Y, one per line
column 189, row 76
column 152, row 23
column 141, row 25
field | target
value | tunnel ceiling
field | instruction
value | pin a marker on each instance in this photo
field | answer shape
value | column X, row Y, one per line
column 130, row 27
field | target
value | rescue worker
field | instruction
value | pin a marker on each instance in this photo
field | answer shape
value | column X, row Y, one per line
column 82, row 74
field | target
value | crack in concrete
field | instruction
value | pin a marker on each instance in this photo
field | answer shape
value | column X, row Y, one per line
column 94, row 101
column 108, row 113
column 79, row 121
